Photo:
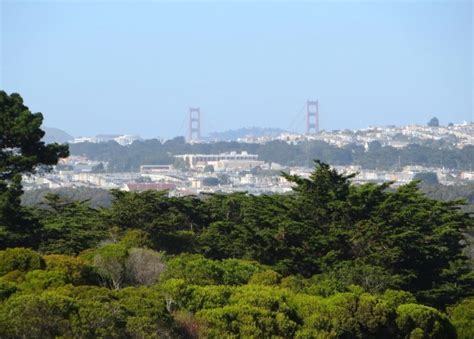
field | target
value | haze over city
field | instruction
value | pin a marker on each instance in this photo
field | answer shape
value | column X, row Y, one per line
column 123, row 67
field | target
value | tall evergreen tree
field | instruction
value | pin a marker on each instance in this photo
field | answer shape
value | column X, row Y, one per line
column 21, row 151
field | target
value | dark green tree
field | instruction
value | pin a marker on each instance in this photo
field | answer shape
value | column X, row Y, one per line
column 210, row 181
column 21, row 151
column 428, row 178
column 364, row 232
column 321, row 209
column 69, row 227
column 99, row 168
column 170, row 222
column 434, row 122
column 209, row 169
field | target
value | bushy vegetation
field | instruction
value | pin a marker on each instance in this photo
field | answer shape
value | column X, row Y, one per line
column 199, row 297
column 331, row 260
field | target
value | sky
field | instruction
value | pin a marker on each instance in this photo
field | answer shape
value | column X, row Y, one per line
column 128, row 67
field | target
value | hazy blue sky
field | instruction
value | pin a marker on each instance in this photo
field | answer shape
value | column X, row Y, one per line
column 123, row 67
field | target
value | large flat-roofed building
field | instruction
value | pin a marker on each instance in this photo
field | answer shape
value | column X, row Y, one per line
column 154, row 169
column 198, row 160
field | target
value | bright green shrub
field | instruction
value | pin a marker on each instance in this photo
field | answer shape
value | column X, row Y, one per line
column 462, row 317
column 136, row 238
column 341, row 310
column 143, row 301
column 268, row 277
column 247, row 322
column 294, row 283
column 146, row 310
column 267, row 297
column 306, row 305
column 96, row 319
column 319, row 325
column 44, row 315
column 87, row 292
column 344, row 315
column 145, row 327
column 76, row 269
column 323, row 285
column 15, row 276
column 41, row 280
column 88, row 255
column 22, row 259
column 205, row 297
column 175, row 292
column 374, row 316
column 421, row 321
column 141, row 313
column 7, row 288
column 395, row 298
column 197, row 270
column 194, row 269
column 238, row 272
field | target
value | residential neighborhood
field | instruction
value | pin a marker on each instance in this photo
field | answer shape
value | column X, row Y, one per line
column 193, row 174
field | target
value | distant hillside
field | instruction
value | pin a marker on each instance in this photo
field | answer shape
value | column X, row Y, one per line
column 233, row 135
column 56, row 135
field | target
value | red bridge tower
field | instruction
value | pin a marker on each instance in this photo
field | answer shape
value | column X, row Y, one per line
column 312, row 117
column 194, row 124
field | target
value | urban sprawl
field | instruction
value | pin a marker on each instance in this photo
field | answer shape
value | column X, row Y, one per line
column 193, row 174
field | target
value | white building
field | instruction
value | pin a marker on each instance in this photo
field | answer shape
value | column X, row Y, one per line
column 467, row 175
column 232, row 158
column 127, row 139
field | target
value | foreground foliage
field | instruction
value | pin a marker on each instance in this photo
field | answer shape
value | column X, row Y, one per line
column 243, row 299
